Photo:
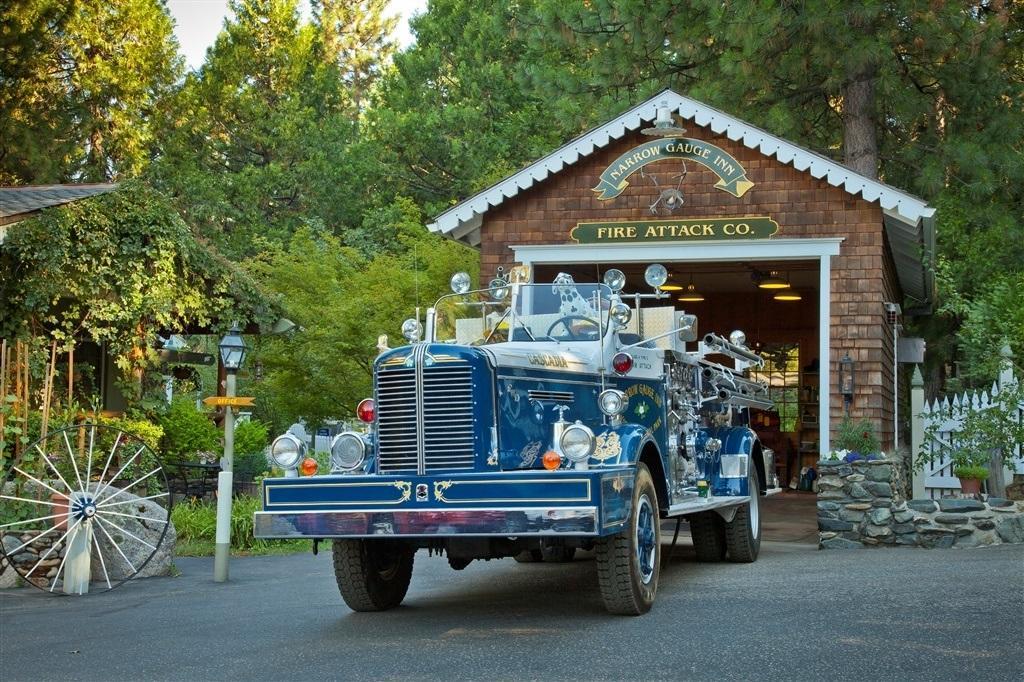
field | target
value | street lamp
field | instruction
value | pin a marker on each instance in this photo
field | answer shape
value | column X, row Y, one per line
column 846, row 381
column 232, row 355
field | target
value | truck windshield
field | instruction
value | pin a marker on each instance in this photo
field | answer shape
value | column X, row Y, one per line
column 563, row 311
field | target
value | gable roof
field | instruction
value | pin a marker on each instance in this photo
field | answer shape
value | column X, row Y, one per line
column 909, row 221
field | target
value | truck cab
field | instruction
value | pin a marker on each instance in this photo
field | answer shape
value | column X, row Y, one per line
column 532, row 420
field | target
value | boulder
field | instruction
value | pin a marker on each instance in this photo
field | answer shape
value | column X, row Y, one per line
column 880, row 473
column 951, row 519
column 1011, row 529
column 834, row 525
column 136, row 552
column 878, row 489
column 954, row 504
column 880, row 516
column 926, row 506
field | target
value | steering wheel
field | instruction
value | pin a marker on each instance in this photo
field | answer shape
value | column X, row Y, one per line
column 572, row 336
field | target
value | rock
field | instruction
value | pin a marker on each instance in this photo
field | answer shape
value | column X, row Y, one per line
column 859, row 506
column 878, row 489
column 834, row 525
column 903, row 516
column 830, row 482
column 964, row 530
column 855, row 478
column 880, row 516
column 854, row 535
column 8, row 578
column 831, row 495
column 909, row 539
column 937, row 541
column 999, row 502
column 921, row 519
column 844, row 470
column 981, row 515
column 935, row 530
column 1005, row 510
column 150, row 531
column 852, row 516
column 857, row 492
column 903, row 528
column 985, row 525
column 882, row 502
column 951, row 519
column 827, row 536
column 873, row 531
column 840, row 543
column 869, row 540
column 1011, row 529
column 959, row 505
column 828, row 506
column 827, row 515
column 824, row 465
column 922, row 505
column 880, row 473
column 11, row 543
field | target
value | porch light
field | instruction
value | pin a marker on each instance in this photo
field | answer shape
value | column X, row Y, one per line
column 846, row 380
column 232, row 349
column 773, row 281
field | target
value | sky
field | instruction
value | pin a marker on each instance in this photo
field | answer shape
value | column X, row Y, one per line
column 199, row 21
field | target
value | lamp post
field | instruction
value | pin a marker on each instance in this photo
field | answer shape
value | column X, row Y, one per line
column 846, row 381
column 232, row 355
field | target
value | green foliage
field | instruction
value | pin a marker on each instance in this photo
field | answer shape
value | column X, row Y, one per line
column 251, row 439
column 188, row 431
column 857, row 435
column 80, row 83
column 342, row 302
column 196, row 524
column 978, row 473
column 115, row 269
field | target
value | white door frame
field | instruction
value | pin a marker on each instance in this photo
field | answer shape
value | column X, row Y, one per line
column 821, row 249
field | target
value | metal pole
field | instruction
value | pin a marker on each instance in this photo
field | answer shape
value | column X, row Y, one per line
column 223, row 548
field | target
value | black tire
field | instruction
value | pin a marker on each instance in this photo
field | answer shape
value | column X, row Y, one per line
column 557, row 554
column 372, row 575
column 625, row 588
column 529, row 556
column 708, row 532
column 743, row 533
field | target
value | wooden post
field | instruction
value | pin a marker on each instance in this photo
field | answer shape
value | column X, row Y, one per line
column 917, row 431
column 3, row 384
column 71, row 373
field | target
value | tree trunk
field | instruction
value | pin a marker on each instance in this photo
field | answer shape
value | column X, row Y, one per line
column 860, row 141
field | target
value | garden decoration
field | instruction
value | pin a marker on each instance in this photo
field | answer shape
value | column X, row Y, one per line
column 85, row 508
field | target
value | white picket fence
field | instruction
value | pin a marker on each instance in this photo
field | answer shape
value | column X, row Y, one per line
column 946, row 417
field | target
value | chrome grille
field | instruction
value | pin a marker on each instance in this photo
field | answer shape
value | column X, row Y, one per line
column 444, row 429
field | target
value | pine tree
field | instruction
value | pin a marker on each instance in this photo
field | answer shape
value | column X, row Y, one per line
column 80, row 83
column 356, row 37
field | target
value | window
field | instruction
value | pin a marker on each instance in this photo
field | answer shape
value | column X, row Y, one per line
column 781, row 372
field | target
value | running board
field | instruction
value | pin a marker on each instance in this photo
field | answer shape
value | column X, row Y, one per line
column 700, row 504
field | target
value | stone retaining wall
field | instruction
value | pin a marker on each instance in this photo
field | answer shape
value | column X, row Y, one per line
column 861, row 504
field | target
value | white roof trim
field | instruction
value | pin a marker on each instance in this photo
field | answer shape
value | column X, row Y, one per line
column 907, row 207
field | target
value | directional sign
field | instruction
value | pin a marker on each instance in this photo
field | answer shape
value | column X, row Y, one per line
column 224, row 401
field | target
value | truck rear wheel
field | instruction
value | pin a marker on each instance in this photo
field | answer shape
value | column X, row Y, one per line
column 629, row 563
column 743, row 533
column 372, row 575
column 708, row 532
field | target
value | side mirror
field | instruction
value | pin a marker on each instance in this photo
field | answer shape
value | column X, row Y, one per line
column 687, row 325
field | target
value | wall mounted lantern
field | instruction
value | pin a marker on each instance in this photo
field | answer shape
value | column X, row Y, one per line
column 847, row 384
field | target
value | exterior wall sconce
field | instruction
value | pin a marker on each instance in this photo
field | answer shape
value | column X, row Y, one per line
column 846, row 381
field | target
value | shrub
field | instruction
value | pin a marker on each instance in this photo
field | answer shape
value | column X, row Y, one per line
column 978, row 473
column 187, row 431
column 196, row 522
column 250, row 445
column 857, row 436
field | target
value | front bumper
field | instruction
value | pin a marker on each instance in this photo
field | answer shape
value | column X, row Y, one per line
column 526, row 503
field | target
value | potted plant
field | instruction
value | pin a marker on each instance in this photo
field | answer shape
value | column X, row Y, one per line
column 857, row 438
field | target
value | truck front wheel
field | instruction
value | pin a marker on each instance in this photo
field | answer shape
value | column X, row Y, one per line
column 743, row 533
column 372, row 575
column 629, row 563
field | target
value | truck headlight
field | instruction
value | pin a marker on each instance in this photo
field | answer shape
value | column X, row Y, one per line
column 612, row 401
column 734, row 466
column 287, row 450
column 412, row 330
column 577, row 442
column 347, row 451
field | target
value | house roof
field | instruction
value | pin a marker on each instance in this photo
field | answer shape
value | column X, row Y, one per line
column 17, row 201
column 909, row 221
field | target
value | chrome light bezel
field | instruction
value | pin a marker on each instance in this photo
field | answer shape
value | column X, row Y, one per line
column 300, row 451
column 412, row 330
column 608, row 394
column 577, row 455
column 734, row 466
column 336, row 463
column 620, row 313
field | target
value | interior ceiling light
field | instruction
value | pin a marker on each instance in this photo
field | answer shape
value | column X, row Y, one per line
column 691, row 294
column 669, row 286
column 773, row 281
column 788, row 295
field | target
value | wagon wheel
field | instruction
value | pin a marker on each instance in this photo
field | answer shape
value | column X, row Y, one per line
column 84, row 509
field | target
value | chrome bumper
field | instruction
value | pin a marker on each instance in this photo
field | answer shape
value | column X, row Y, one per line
column 527, row 521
